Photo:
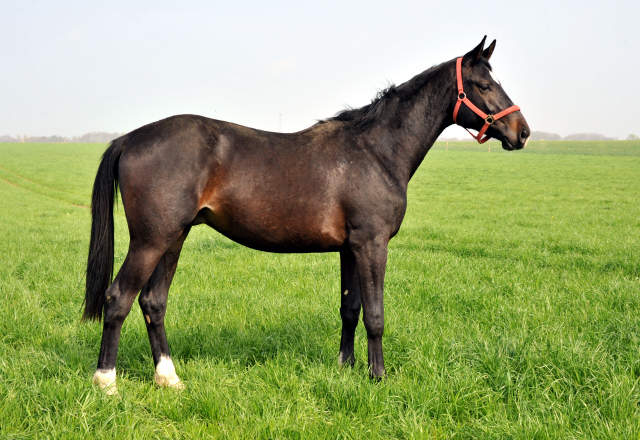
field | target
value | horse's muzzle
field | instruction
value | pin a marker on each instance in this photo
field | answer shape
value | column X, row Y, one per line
column 516, row 135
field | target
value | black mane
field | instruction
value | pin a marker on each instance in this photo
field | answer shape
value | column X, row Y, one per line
column 364, row 117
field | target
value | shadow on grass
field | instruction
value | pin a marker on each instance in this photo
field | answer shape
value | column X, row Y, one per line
column 248, row 344
column 254, row 342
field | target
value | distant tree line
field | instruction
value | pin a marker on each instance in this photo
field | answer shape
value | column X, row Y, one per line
column 544, row 136
column 93, row 137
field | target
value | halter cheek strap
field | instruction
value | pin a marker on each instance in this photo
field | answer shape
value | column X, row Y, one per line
column 488, row 119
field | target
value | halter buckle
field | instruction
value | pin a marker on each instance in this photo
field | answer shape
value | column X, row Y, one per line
column 461, row 96
column 489, row 119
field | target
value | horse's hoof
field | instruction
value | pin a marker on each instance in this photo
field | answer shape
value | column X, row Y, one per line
column 178, row 386
column 106, row 381
column 172, row 382
column 378, row 376
column 165, row 375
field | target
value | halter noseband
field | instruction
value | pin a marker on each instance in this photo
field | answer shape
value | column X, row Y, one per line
column 488, row 119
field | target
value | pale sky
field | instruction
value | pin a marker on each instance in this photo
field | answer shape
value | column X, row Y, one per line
column 72, row 67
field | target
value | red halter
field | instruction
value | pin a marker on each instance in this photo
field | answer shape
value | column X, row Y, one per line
column 488, row 119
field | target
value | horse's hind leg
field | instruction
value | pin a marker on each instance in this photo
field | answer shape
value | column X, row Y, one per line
column 140, row 262
column 350, row 305
column 153, row 303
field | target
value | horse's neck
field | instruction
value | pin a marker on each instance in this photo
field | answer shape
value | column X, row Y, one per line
column 412, row 131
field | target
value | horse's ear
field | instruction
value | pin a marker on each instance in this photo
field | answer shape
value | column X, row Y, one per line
column 473, row 56
column 489, row 50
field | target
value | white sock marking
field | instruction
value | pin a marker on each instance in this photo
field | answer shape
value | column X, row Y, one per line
column 165, row 375
column 106, row 380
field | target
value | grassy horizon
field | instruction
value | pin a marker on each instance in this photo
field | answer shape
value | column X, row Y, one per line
column 512, row 301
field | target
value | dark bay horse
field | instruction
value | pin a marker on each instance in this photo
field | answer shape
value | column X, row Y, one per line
column 338, row 186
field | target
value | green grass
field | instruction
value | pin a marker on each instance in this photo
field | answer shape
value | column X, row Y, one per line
column 512, row 302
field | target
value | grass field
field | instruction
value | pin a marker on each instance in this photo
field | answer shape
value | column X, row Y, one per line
column 512, row 311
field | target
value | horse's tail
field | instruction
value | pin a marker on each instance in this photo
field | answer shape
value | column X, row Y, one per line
column 100, row 261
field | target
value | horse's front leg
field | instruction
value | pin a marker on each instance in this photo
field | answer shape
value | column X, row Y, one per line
column 350, row 305
column 371, row 262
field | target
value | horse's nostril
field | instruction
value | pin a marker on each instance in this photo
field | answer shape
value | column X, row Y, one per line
column 524, row 134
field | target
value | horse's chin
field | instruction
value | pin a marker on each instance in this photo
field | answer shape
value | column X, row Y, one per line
column 507, row 145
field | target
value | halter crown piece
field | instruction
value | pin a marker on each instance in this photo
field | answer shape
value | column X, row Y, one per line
column 488, row 119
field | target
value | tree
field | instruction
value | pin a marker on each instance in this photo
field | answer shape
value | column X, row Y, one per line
column 633, row 137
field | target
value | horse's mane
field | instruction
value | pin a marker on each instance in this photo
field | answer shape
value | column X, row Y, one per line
column 364, row 117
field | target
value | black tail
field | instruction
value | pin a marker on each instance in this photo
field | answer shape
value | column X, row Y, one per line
column 100, row 262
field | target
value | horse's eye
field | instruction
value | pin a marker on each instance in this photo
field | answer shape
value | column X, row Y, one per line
column 485, row 87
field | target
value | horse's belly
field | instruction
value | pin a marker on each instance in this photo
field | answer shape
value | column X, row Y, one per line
column 278, row 230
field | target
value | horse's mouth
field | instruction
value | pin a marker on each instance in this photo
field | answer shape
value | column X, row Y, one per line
column 510, row 147
column 507, row 145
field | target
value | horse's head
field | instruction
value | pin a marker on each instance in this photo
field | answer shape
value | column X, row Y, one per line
column 495, row 114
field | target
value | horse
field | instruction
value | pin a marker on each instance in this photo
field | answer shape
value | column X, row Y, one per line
column 337, row 186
